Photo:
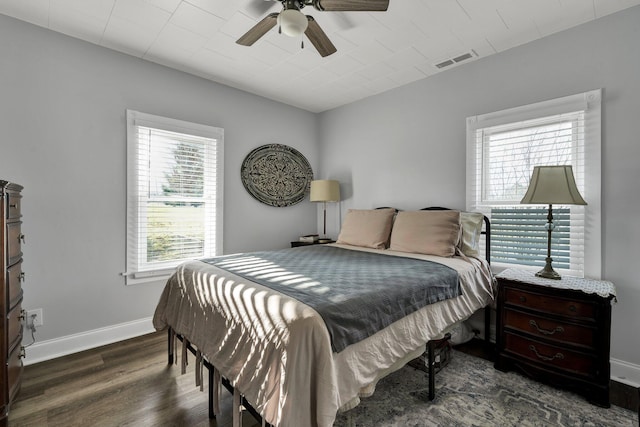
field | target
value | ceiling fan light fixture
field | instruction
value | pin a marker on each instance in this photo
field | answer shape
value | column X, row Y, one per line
column 292, row 22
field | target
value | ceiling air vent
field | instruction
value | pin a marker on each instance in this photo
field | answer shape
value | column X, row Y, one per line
column 445, row 63
column 457, row 59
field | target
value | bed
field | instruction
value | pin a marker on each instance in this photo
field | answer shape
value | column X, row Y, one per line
column 281, row 356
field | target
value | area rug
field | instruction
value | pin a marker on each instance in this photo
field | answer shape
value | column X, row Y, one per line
column 470, row 392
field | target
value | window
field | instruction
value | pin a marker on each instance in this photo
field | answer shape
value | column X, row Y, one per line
column 174, row 194
column 502, row 150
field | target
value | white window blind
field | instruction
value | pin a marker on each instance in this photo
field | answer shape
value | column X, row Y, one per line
column 174, row 194
column 502, row 150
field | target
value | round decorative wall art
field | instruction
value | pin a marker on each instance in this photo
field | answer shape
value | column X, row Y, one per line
column 276, row 175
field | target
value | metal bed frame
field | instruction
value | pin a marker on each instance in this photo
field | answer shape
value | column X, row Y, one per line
column 430, row 347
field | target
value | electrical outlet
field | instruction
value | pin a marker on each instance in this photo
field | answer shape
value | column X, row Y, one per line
column 34, row 317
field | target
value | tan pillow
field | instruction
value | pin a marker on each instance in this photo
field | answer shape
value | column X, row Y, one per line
column 471, row 223
column 426, row 232
column 367, row 228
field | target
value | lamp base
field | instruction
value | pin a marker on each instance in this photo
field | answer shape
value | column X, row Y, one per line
column 548, row 272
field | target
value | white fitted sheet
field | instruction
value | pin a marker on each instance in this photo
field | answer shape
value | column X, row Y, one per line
column 277, row 351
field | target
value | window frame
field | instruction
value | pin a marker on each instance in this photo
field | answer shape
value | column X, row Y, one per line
column 588, row 102
column 141, row 272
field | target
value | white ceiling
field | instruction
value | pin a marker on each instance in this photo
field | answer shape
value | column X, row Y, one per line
column 377, row 51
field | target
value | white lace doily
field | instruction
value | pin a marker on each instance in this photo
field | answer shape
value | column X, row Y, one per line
column 603, row 288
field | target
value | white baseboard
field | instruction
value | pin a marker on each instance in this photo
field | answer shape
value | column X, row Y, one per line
column 50, row 349
column 625, row 372
column 621, row 371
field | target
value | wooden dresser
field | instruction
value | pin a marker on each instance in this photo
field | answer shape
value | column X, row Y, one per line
column 556, row 331
column 11, row 351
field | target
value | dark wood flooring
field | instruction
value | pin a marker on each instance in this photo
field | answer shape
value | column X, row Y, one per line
column 129, row 383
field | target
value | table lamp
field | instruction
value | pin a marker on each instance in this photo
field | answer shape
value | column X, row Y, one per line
column 552, row 185
column 325, row 190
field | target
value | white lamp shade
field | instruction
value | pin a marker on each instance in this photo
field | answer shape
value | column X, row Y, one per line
column 553, row 185
column 292, row 22
column 325, row 190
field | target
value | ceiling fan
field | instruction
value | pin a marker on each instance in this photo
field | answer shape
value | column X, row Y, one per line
column 293, row 22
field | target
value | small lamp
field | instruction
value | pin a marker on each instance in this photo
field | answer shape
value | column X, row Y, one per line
column 325, row 190
column 552, row 185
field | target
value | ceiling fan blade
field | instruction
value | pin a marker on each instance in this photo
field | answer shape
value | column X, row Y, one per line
column 351, row 5
column 318, row 38
column 259, row 30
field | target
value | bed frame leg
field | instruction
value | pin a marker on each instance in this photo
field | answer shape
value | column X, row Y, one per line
column 432, row 369
column 487, row 325
column 170, row 339
column 212, row 414
column 237, row 408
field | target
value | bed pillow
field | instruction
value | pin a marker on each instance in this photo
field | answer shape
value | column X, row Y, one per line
column 367, row 228
column 471, row 223
column 426, row 232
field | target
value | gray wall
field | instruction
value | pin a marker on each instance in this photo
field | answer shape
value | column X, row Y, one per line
column 62, row 106
column 406, row 147
column 62, row 117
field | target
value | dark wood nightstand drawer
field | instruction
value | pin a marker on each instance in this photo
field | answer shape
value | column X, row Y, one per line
column 14, row 247
column 549, row 304
column 14, row 371
column 14, row 333
column 15, row 277
column 13, row 205
column 551, row 329
column 552, row 356
column 298, row 244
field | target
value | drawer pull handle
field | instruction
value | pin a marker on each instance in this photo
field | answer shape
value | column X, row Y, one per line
column 523, row 299
column 21, row 277
column 558, row 329
column 546, row 358
column 13, row 206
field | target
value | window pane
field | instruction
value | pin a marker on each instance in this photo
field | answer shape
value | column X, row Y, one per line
column 519, row 236
column 175, row 231
column 511, row 155
column 176, row 166
column 174, row 187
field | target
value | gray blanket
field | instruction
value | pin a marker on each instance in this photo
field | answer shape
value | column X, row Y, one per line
column 357, row 293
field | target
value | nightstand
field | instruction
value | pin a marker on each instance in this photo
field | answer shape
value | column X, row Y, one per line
column 297, row 244
column 556, row 331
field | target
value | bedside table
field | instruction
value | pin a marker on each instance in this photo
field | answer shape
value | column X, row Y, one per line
column 556, row 331
column 297, row 243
